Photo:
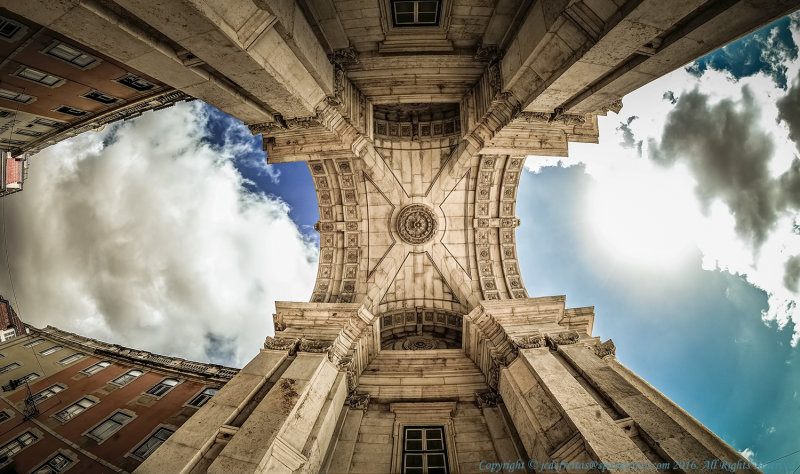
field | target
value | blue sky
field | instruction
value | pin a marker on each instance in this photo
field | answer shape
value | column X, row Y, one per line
column 681, row 228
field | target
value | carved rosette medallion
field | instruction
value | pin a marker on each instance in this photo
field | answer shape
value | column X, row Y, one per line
column 420, row 343
column 416, row 224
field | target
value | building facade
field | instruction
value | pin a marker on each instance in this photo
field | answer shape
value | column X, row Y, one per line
column 10, row 324
column 71, row 403
column 421, row 349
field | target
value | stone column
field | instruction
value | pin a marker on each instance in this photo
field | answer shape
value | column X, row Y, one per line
column 604, row 441
column 290, row 429
column 672, row 432
column 182, row 451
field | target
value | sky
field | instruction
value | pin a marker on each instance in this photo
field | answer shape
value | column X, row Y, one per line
column 170, row 233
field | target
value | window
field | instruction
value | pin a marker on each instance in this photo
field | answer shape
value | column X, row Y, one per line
column 71, row 55
column 135, row 82
column 415, row 12
column 4, row 416
column 65, row 109
column 29, row 377
column 39, row 77
column 57, row 463
column 12, row 142
column 203, row 397
column 93, row 369
column 161, row 388
column 424, row 450
column 48, row 392
column 51, row 350
column 153, row 442
column 100, row 97
column 74, row 410
column 6, row 113
column 8, row 367
column 9, row 29
column 16, row 96
column 18, row 444
column 33, row 343
column 127, row 377
column 104, row 430
column 72, row 358
column 47, row 123
column 30, row 133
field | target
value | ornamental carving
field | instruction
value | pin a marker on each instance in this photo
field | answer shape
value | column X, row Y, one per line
column 358, row 401
column 344, row 57
column 487, row 399
column 416, row 224
column 281, row 344
column 605, row 349
column 532, row 341
column 562, row 339
column 313, row 345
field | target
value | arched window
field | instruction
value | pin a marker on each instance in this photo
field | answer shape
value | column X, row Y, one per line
column 162, row 387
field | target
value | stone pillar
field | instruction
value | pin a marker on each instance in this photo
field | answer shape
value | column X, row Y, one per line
column 182, row 451
column 347, row 437
column 286, row 432
column 672, row 432
column 604, row 441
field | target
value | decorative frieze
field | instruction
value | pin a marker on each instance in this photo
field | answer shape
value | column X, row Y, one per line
column 532, row 341
column 281, row 344
column 315, row 346
column 342, row 58
column 358, row 401
column 562, row 339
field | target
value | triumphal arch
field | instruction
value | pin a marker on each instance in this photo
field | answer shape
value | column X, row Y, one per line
column 421, row 349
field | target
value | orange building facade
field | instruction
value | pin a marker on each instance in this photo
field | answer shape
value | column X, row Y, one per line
column 92, row 407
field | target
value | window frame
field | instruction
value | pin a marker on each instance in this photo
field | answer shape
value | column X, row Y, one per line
column 36, row 434
column 424, row 451
column 114, row 381
column 62, row 106
column 162, row 383
column 113, row 99
column 56, row 347
column 31, row 98
column 47, row 122
column 50, row 389
column 8, row 413
column 199, row 394
column 133, row 78
column 85, row 371
column 416, row 13
column 130, row 416
column 29, row 133
column 65, row 453
column 153, row 434
column 8, row 368
column 28, row 378
column 15, row 36
column 34, row 343
column 79, row 355
column 56, row 43
column 59, row 81
column 62, row 420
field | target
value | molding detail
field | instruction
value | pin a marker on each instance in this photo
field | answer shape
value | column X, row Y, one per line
column 605, row 349
column 532, row 341
column 358, row 401
column 562, row 339
column 281, row 344
column 488, row 399
column 315, row 346
column 342, row 58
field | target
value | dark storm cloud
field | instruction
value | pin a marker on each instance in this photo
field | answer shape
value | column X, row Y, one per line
column 767, row 51
column 670, row 96
column 789, row 110
column 791, row 274
column 728, row 154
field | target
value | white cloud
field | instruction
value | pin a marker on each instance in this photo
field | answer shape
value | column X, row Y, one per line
column 143, row 234
column 650, row 215
column 747, row 453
